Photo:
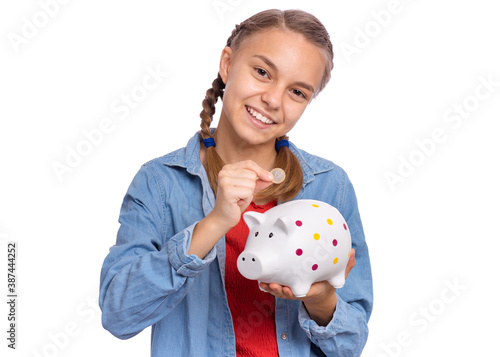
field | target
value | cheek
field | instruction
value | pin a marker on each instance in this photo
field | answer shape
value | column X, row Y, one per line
column 293, row 112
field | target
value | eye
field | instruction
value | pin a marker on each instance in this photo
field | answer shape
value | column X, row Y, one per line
column 271, row 235
column 256, row 234
column 261, row 72
column 298, row 93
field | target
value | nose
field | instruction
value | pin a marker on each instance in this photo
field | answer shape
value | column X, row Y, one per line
column 249, row 265
column 273, row 97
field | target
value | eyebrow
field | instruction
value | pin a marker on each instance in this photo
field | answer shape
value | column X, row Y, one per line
column 274, row 68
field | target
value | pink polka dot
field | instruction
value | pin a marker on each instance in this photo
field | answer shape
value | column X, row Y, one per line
column 345, row 227
column 298, row 251
column 298, row 223
column 334, row 242
column 315, row 266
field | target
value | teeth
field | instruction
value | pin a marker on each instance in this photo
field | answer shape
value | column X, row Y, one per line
column 259, row 116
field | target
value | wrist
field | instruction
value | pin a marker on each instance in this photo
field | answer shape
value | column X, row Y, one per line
column 321, row 310
column 205, row 235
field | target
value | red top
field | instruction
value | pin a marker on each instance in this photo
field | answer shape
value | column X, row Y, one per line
column 252, row 309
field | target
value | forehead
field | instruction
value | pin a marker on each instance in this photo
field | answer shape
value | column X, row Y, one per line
column 295, row 57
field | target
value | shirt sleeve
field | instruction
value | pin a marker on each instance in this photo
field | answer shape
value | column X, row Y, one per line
column 145, row 274
column 347, row 332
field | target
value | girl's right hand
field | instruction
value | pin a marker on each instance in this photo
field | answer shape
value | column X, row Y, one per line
column 237, row 185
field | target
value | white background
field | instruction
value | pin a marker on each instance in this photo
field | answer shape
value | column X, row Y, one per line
column 401, row 68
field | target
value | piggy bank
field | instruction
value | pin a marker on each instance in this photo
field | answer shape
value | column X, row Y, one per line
column 296, row 244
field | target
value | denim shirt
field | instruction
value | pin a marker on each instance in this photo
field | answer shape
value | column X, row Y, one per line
column 148, row 279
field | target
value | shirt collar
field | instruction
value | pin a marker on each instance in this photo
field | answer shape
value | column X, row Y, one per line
column 189, row 158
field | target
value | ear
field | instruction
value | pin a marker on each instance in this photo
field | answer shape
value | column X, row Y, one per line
column 225, row 63
column 285, row 224
column 253, row 219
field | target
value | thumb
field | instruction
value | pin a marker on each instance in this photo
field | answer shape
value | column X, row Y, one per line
column 264, row 180
column 260, row 185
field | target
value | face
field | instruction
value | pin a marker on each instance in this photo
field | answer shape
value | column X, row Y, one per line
column 269, row 80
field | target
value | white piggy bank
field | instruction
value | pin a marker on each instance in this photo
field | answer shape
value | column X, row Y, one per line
column 296, row 244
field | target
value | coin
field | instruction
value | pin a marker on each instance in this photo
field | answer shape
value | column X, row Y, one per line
column 278, row 175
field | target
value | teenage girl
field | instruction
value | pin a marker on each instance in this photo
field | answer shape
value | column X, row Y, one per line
column 174, row 263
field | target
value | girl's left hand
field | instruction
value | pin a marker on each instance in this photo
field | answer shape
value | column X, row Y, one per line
column 321, row 297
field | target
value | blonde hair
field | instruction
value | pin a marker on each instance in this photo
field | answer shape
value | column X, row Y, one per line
column 293, row 20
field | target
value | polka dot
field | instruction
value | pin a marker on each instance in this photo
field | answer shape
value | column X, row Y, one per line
column 315, row 205
column 298, row 223
column 335, row 261
column 298, row 252
column 345, row 227
column 329, row 221
column 334, row 242
column 316, row 236
column 315, row 266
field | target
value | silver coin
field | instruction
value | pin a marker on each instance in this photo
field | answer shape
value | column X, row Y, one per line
column 278, row 174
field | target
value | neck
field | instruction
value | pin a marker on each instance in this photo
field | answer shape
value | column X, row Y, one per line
column 232, row 150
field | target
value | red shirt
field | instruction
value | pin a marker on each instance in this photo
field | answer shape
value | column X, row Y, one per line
column 252, row 309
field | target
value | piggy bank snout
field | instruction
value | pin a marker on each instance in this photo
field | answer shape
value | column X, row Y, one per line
column 249, row 265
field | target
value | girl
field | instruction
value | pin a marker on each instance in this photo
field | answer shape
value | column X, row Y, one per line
column 174, row 263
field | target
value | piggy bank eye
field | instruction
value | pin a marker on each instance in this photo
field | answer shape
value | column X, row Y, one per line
column 270, row 235
column 256, row 234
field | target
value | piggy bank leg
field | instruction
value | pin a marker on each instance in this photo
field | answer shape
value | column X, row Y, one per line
column 338, row 280
column 300, row 288
column 258, row 282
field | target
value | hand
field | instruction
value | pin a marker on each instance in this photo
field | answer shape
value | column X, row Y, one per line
column 237, row 185
column 321, row 299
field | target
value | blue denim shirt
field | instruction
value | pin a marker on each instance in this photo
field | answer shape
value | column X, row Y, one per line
column 148, row 279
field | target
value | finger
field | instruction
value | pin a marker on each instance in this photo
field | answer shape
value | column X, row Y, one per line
column 262, row 174
column 288, row 292
column 351, row 263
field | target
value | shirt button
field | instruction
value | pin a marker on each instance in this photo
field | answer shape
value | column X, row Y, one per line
column 284, row 336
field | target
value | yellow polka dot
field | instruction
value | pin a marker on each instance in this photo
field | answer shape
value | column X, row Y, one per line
column 330, row 222
column 335, row 261
column 316, row 236
column 315, row 205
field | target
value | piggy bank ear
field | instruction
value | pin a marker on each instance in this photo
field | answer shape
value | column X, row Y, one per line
column 285, row 224
column 253, row 219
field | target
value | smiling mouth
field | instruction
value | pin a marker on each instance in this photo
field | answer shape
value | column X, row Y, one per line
column 259, row 116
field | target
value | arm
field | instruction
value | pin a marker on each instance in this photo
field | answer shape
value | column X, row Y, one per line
column 145, row 275
column 347, row 332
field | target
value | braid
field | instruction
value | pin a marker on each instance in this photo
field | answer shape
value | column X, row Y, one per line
column 214, row 162
column 235, row 32
column 208, row 104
